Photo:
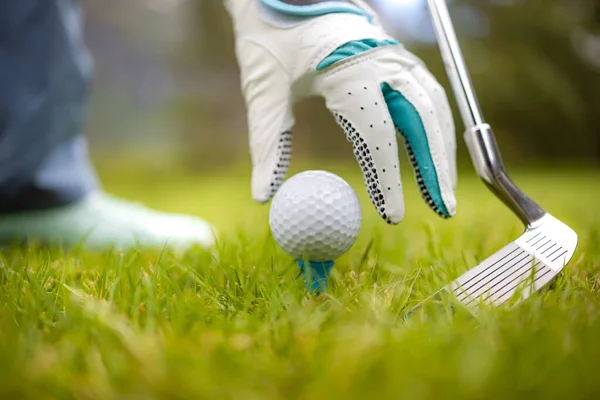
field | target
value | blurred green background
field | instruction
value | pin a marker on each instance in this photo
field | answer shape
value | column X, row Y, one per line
column 167, row 126
column 166, row 87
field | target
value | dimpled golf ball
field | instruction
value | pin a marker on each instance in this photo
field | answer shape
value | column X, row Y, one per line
column 315, row 216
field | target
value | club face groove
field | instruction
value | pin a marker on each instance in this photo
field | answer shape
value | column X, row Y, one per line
column 518, row 269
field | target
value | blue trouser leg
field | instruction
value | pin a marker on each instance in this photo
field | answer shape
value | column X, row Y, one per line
column 44, row 81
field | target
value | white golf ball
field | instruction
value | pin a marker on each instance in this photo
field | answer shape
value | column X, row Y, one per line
column 315, row 216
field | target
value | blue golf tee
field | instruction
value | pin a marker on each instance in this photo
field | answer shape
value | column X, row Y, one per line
column 315, row 274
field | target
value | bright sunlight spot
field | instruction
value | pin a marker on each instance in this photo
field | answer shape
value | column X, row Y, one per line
column 400, row 3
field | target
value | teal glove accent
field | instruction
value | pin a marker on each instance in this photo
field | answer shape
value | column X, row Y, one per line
column 409, row 123
column 352, row 49
column 315, row 10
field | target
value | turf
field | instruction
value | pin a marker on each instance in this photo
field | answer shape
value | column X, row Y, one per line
column 235, row 323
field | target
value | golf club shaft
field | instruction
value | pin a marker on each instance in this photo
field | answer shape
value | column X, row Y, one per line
column 455, row 64
column 479, row 136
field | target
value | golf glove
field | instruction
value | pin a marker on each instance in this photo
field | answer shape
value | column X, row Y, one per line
column 288, row 50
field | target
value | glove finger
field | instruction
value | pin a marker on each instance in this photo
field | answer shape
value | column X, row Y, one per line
column 416, row 117
column 267, row 93
column 271, row 147
column 438, row 96
column 359, row 108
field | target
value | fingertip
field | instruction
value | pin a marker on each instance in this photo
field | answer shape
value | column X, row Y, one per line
column 451, row 205
column 447, row 208
column 446, row 195
column 261, row 199
column 394, row 215
column 263, row 188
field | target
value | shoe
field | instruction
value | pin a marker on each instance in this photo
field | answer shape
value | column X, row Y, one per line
column 100, row 221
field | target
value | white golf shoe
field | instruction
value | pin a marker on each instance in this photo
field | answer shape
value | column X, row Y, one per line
column 101, row 221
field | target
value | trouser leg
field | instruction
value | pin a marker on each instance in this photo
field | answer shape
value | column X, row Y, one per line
column 44, row 82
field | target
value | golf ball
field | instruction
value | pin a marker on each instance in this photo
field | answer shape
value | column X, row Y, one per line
column 315, row 216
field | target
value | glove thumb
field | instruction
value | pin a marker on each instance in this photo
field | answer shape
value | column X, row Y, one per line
column 266, row 87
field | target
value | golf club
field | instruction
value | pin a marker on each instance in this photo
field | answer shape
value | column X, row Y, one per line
column 547, row 245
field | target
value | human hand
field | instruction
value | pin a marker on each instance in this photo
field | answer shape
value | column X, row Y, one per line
column 292, row 49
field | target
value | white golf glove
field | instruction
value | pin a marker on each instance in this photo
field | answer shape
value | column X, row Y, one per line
column 292, row 49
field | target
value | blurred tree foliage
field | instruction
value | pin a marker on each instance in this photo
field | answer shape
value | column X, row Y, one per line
column 538, row 88
column 536, row 72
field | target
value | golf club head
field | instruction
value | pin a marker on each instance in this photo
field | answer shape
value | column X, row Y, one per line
column 538, row 255
column 514, row 272
column 520, row 268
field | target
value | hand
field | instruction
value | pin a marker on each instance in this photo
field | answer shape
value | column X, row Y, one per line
column 372, row 85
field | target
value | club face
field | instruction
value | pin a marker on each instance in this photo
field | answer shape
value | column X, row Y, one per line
column 515, row 271
column 520, row 268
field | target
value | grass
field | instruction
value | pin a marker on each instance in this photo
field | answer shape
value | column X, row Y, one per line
column 236, row 324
